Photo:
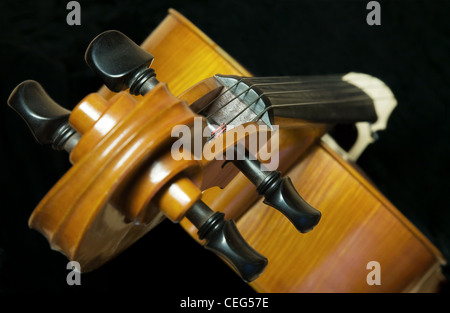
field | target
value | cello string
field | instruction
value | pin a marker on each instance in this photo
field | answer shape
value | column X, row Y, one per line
column 224, row 126
column 347, row 90
column 232, row 99
column 253, row 78
column 350, row 87
column 221, row 94
column 329, row 78
column 308, row 80
column 350, row 90
column 314, row 102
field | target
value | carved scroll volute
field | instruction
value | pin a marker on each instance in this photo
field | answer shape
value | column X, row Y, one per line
column 111, row 197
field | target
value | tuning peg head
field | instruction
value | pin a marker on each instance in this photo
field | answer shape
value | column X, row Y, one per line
column 47, row 120
column 283, row 196
column 223, row 238
column 121, row 63
column 279, row 193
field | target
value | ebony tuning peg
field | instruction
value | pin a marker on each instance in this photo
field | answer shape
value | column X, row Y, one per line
column 279, row 193
column 223, row 238
column 49, row 124
column 121, row 63
column 47, row 120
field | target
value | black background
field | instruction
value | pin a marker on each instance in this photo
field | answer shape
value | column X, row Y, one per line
column 409, row 163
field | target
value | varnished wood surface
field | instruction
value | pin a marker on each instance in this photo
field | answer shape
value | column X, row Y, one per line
column 358, row 224
column 184, row 55
column 84, row 215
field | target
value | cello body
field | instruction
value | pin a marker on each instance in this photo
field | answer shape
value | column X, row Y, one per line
column 358, row 223
column 359, row 226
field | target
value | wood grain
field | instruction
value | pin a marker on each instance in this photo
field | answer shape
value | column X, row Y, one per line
column 358, row 225
column 85, row 215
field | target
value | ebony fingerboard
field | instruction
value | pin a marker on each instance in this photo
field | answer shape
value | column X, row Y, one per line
column 323, row 99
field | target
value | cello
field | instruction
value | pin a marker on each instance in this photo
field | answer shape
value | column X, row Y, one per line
column 358, row 224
